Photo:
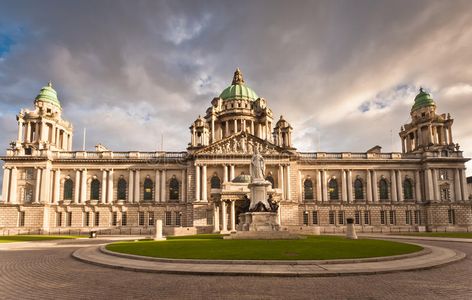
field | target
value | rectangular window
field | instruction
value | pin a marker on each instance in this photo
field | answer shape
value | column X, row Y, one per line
column 451, row 215
column 383, row 217
column 97, row 218
column 393, row 219
column 366, row 217
column 58, row 219
column 408, row 219
column 141, row 218
column 86, row 218
column 357, row 217
column 168, row 216
column 151, row 218
column 209, row 217
column 21, row 219
column 178, row 218
column 341, row 217
column 305, row 218
column 315, row 217
column 114, row 218
column 69, row 219
column 331, row 217
column 124, row 219
column 417, row 217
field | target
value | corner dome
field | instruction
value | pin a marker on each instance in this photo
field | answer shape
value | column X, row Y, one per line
column 243, row 178
column 238, row 90
column 49, row 95
column 423, row 99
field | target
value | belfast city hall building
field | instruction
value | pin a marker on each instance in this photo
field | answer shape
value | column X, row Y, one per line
column 49, row 187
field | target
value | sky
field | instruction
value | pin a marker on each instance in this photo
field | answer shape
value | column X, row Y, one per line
column 135, row 73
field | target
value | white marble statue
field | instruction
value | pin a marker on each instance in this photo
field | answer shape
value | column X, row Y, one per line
column 257, row 166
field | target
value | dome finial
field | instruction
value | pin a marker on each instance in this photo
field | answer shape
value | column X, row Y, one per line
column 238, row 77
column 50, row 84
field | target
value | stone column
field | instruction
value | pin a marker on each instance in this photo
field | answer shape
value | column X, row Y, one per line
column 69, row 142
column 436, row 194
column 318, row 186
column 233, row 216
column 77, row 186
column 252, row 127
column 36, row 132
column 281, row 181
column 375, row 190
column 324, row 185
column 45, row 185
column 235, row 124
column 103, row 195
column 83, row 187
column 20, row 130
column 137, row 186
column 37, row 186
column 231, row 173
column 204, row 184
column 457, row 185
column 450, row 134
column 57, row 186
column 157, row 186
column 417, row 186
column 28, row 132
column 349, row 186
column 163, row 186
column 429, row 185
column 183, row 197
column 393, row 188
column 300, row 187
column 343, row 186
column 289, row 191
column 464, row 186
column 197, row 183
column 13, row 186
column 225, row 173
column 224, row 217
column 6, row 184
column 110, row 186
column 216, row 217
column 369, row 187
column 131, row 186
column 399, row 186
column 213, row 129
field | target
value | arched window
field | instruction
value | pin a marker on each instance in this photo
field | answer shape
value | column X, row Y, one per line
column 147, row 189
column 28, row 193
column 95, row 189
column 383, row 188
column 174, row 189
column 333, row 189
column 308, row 189
column 270, row 179
column 407, row 189
column 215, row 182
column 68, row 189
column 358, row 190
column 122, row 185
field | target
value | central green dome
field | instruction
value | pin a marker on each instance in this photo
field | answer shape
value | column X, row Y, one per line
column 48, row 94
column 238, row 90
column 423, row 99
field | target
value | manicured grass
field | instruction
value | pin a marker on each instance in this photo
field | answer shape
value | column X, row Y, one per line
column 462, row 235
column 27, row 238
column 214, row 247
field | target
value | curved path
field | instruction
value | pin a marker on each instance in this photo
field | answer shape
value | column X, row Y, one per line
column 45, row 272
column 431, row 256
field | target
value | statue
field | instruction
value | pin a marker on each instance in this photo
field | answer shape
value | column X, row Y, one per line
column 238, row 77
column 257, row 166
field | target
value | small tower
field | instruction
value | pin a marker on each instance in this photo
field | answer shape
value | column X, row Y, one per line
column 200, row 131
column 427, row 130
column 43, row 128
column 283, row 133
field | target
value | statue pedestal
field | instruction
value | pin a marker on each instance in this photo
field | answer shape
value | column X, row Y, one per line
column 258, row 189
column 259, row 221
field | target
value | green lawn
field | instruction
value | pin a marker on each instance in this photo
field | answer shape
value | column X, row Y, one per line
column 27, row 238
column 214, row 247
column 462, row 235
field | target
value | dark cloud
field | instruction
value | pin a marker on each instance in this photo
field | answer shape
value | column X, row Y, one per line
column 146, row 69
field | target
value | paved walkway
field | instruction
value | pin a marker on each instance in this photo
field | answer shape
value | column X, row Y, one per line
column 412, row 237
column 51, row 273
column 432, row 257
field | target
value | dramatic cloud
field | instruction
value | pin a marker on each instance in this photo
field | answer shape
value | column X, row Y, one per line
column 344, row 73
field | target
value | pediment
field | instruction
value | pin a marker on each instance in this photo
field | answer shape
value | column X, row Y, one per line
column 243, row 144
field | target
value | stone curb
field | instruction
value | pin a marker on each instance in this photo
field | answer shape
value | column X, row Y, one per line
column 439, row 257
column 425, row 251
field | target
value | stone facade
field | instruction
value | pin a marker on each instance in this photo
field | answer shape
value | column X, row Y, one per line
column 47, row 186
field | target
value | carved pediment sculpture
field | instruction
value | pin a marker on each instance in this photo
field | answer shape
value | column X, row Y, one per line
column 241, row 143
